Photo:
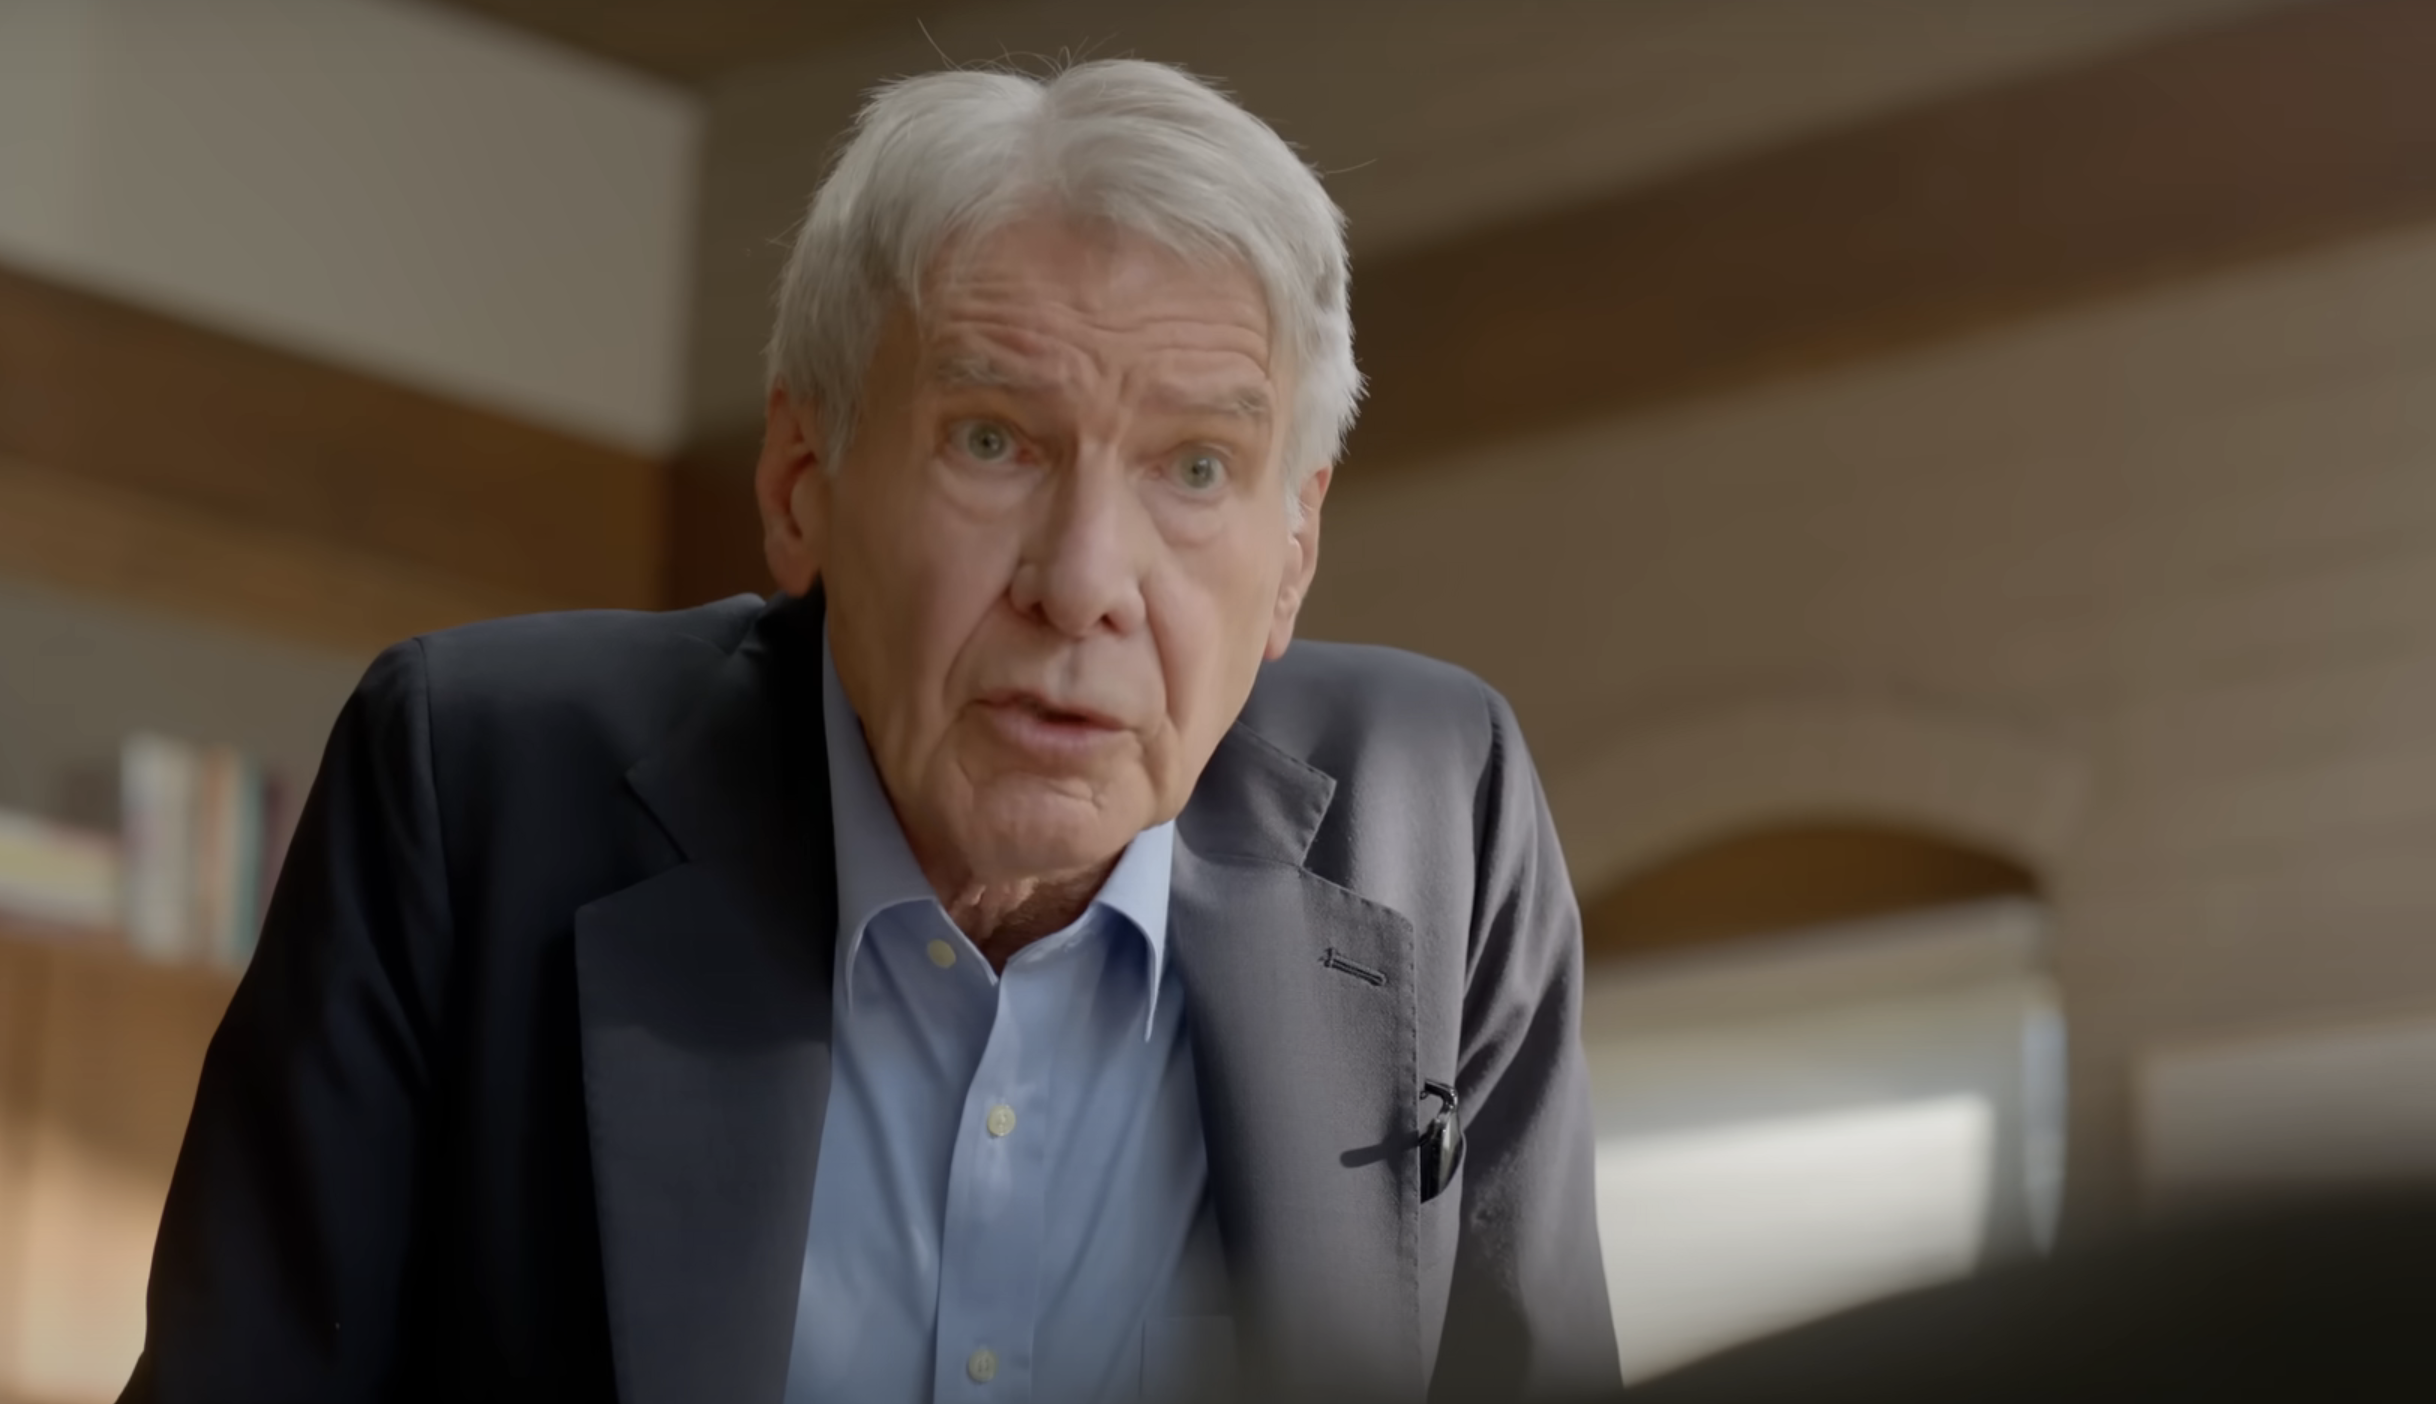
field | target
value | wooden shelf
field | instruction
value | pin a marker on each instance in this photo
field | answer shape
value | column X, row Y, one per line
column 100, row 1050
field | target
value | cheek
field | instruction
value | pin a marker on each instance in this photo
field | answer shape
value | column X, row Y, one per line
column 1214, row 625
column 920, row 580
column 957, row 582
column 959, row 575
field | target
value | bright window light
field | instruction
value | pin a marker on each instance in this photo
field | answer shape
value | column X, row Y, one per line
column 1791, row 1126
column 1717, row 1235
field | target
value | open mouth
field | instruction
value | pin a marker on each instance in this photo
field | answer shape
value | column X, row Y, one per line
column 1048, row 728
column 1041, row 709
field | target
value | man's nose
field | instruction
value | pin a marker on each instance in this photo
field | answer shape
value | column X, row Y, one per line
column 1083, row 557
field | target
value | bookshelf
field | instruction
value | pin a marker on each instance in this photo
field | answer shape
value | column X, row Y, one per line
column 100, row 1051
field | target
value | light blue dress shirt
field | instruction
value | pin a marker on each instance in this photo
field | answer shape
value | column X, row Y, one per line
column 1012, row 1181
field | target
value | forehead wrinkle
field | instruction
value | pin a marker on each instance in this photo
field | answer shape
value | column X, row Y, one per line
column 1033, row 315
column 997, row 329
column 974, row 370
column 968, row 368
column 1250, row 404
column 1036, row 329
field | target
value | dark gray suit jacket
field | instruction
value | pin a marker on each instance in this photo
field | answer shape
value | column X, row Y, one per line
column 522, row 1094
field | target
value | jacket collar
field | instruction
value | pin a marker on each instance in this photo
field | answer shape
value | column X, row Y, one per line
column 1255, row 802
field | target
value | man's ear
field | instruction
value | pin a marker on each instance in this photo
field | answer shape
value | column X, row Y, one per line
column 791, row 486
column 1302, row 560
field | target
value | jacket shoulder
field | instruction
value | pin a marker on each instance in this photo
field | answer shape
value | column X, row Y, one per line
column 1335, row 705
column 575, row 646
column 615, row 676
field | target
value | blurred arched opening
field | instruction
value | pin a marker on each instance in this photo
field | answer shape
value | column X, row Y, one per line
column 1826, row 1064
column 1790, row 877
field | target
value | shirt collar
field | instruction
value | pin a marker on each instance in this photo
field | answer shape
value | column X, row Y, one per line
column 1136, row 890
column 876, row 868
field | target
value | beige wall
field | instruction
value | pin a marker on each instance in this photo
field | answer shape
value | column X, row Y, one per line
column 2144, row 595
column 398, row 188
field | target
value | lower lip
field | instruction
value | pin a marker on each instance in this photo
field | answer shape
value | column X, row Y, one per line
column 1032, row 732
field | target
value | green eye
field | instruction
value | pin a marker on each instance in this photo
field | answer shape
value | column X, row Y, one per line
column 1200, row 470
column 985, row 440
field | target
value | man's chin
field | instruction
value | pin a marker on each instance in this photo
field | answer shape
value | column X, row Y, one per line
column 1035, row 839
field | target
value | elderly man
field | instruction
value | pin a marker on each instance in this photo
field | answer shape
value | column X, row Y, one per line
column 996, row 968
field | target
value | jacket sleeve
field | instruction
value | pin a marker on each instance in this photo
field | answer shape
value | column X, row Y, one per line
column 1528, row 1314
column 279, row 1270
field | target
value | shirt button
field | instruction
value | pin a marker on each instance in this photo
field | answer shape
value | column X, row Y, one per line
column 942, row 954
column 1001, row 1119
column 983, row 1367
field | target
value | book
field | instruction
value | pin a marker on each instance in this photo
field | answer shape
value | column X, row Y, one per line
column 204, row 831
column 52, row 875
column 157, row 783
column 227, row 838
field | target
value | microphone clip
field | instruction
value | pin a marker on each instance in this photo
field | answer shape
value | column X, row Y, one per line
column 1441, row 1143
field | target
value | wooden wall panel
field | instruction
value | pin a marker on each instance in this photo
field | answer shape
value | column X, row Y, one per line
column 696, row 42
column 149, row 549
column 2309, row 123
column 714, row 529
column 23, row 971
column 116, row 1047
column 314, row 453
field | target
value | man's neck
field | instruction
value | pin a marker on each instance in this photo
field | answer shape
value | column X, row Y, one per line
column 1001, row 918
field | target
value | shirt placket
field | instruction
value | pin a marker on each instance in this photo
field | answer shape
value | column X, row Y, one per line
column 991, row 1238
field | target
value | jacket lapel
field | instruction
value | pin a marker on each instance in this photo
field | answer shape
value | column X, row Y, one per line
column 1303, row 1024
column 705, row 1002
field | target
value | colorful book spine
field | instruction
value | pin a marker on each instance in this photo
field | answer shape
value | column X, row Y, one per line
column 157, row 783
column 202, row 844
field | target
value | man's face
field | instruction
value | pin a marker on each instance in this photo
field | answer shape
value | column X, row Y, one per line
column 1059, row 545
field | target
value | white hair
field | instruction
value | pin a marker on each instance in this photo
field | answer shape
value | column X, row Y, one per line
column 1143, row 146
